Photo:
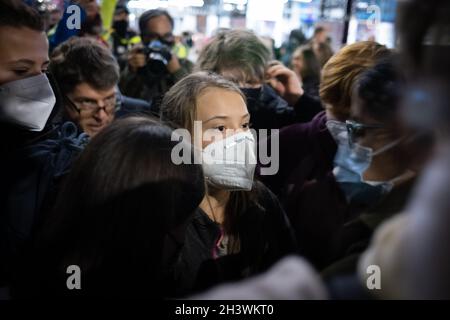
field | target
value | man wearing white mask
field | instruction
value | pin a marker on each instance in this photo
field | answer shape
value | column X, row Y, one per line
column 27, row 104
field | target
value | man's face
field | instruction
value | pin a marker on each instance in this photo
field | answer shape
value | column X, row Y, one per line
column 121, row 16
column 92, row 109
column 297, row 63
column 55, row 17
column 158, row 28
column 90, row 6
column 21, row 59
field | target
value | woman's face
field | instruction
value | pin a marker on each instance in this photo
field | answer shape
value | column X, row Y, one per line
column 297, row 63
column 222, row 113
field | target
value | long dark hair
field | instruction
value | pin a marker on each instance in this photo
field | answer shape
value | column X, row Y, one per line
column 311, row 63
column 119, row 202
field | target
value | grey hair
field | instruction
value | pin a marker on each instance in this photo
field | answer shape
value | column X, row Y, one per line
column 238, row 55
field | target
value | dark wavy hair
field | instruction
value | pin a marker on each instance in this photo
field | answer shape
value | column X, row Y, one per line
column 380, row 89
column 83, row 60
column 120, row 202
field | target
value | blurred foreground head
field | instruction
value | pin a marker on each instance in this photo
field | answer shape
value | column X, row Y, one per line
column 423, row 29
column 238, row 55
column 119, row 208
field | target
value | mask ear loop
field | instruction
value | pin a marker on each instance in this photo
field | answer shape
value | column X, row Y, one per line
column 388, row 146
column 391, row 144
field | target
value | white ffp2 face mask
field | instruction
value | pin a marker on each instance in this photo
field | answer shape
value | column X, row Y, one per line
column 27, row 102
column 229, row 164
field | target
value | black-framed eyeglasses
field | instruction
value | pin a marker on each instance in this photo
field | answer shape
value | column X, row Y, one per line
column 356, row 130
column 87, row 106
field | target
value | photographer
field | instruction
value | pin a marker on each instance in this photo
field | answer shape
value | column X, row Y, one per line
column 123, row 38
column 152, row 68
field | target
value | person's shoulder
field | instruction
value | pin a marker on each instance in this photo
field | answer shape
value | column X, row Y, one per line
column 261, row 188
column 60, row 149
column 297, row 133
column 294, row 130
column 201, row 221
column 272, row 215
column 66, row 133
column 264, row 196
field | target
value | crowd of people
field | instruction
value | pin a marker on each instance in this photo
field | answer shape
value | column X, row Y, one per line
column 89, row 176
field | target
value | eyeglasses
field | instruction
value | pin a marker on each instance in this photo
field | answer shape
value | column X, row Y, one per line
column 88, row 106
column 356, row 130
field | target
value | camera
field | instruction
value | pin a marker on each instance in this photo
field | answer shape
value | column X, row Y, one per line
column 158, row 56
column 156, row 50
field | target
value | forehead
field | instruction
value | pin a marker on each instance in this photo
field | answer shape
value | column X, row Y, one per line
column 13, row 47
column 216, row 101
column 357, row 106
column 121, row 14
column 86, row 91
column 359, row 112
column 159, row 24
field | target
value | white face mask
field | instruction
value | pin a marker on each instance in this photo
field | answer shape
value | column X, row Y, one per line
column 229, row 164
column 27, row 102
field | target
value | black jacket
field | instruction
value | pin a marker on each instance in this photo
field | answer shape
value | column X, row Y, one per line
column 30, row 168
column 265, row 237
column 269, row 111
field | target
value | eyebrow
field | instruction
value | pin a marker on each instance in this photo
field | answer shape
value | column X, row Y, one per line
column 92, row 99
column 27, row 61
column 224, row 117
column 216, row 117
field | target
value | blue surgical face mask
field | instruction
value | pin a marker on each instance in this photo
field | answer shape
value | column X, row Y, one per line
column 350, row 163
column 338, row 131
